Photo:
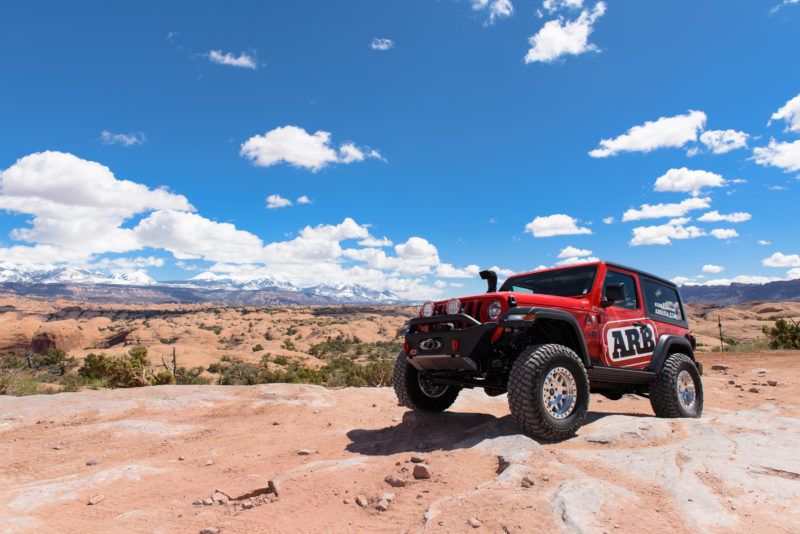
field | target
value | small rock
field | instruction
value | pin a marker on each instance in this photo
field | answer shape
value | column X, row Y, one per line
column 418, row 459
column 528, row 482
column 247, row 505
column 422, row 471
column 382, row 505
column 374, row 405
column 347, row 500
column 771, row 398
column 220, row 497
column 306, row 452
column 272, row 486
column 362, row 501
column 772, row 383
column 473, row 522
column 181, row 458
column 95, row 499
column 275, row 423
column 197, row 502
column 754, row 390
column 545, row 478
column 93, row 461
column 208, row 502
column 502, row 464
column 389, row 497
column 731, row 382
column 208, row 463
column 395, row 481
column 210, row 530
column 720, row 367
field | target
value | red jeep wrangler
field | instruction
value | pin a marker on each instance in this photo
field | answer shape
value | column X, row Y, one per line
column 551, row 337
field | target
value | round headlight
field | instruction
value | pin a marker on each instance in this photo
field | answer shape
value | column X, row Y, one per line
column 453, row 306
column 427, row 309
column 494, row 310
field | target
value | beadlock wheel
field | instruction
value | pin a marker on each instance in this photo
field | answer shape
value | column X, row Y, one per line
column 686, row 391
column 559, row 392
column 677, row 390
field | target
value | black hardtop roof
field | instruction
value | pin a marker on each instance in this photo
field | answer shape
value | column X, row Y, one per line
column 643, row 273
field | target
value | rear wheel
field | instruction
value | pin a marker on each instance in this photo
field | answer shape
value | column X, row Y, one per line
column 548, row 392
column 416, row 390
column 677, row 390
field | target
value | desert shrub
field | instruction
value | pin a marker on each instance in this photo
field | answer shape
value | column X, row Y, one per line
column 168, row 341
column 9, row 361
column 184, row 376
column 58, row 359
column 215, row 328
column 288, row 344
column 119, row 372
column 71, row 383
column 281, row 360
column 18, row 383
column 257, row 348
column 164, row 377
column 783, row 335
column 95, row 366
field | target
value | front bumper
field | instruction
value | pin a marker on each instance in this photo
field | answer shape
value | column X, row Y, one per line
column 447, row 342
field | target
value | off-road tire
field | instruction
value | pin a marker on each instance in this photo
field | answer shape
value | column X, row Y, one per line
column 665, row 390
column 526, row 391
column 406, row 380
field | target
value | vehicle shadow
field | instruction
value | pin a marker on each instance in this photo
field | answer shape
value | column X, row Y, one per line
column 426, row 432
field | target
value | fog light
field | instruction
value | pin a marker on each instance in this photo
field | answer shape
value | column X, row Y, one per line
column 453, row 306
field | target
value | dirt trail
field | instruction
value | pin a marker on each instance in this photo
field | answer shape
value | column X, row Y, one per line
column 155, row 451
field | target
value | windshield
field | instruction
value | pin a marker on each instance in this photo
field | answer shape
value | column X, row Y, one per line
column 568, row 282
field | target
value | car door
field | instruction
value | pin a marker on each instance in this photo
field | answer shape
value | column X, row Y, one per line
column 628, row 336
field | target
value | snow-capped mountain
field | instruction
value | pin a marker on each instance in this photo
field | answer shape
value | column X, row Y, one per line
column 67, row 275
column 352, row 293
column 204, row 286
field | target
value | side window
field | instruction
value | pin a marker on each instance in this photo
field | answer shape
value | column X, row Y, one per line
column 662, row 301
column 630, row 302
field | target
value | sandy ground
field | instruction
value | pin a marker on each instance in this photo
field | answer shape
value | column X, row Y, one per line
column 150, row 453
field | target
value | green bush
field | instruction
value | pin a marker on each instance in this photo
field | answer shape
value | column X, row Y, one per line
column 9, row 361
column 18, row 383
column 72, row 383
column 164, row 377
column 258, row 348
column 783, row 335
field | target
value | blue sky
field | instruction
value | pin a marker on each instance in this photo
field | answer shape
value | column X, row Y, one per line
column 424, row 140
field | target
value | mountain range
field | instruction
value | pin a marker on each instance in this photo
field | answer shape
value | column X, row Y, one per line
column 71, row 283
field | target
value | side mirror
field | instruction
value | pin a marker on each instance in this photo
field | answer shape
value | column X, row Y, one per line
column 614, row 292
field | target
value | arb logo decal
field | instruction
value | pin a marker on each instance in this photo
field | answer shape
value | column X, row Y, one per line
column 630, row 342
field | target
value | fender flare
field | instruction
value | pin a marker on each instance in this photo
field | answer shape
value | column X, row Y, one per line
column 548, row 314
column 664, row 347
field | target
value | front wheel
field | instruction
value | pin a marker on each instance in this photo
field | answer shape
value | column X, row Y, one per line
column 548, row 392
column 415, row 389
column 677, row 390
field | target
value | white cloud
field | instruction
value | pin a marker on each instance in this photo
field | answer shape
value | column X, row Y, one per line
column 666, row 132
column 721, row 141
column 790, row 113
column 375, row 242
column 563, row 37
column 245, row 61
column 741, row 279
column 558, row 224
column 680, row 280
column 498, row 9
column 762, row 242
column 78, row 206
column 657, row 211
column 782, row 260
column 783, row 155
column 783, row 3
column 551, row 6
column 715, row 216
column 573, row 251
column 441, row 284
column 445, row 270
column 131, row 139
column 608, row 220
column 572, row 255
column 277, row 201
column 664, row 234
column 304, row 200
column 297, row 147
column 684, row 180
column 724, row 233
column 709, row 268
column 381, row 44
column 793, row 274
